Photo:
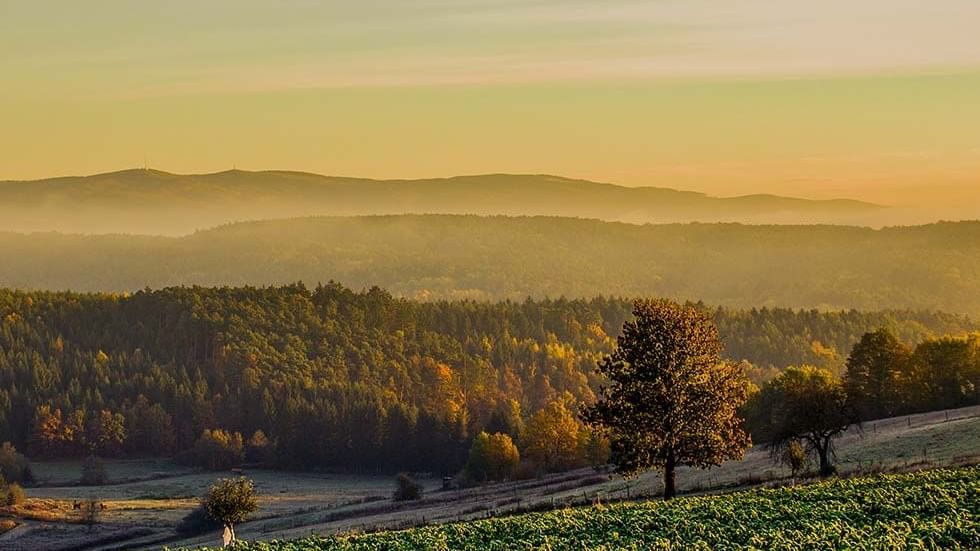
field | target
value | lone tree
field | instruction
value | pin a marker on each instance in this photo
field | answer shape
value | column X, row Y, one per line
column 672, row 400
column 230, row 501
column 805, row 404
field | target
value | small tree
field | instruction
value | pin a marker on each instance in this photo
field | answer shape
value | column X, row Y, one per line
column 11, row 493
column 105, row 432
column 218, row 449
column 14, row 467
column 230, row 501
column 259, row 449
column 877, row 375
column 551, row 436
column 804, row 404
column 672, row 401
column 93, row 472
column 406, row 489
column 492, row 457
column 794, row 457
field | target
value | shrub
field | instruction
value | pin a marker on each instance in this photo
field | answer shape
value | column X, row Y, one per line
column 260, row 449
column 13, row 494
column 14, row 466
column 492, row 457
column 407, row 489
column 794, row 457
column 217, row 450
column 93, row 472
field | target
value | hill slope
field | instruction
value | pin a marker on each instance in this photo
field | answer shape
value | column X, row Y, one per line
column 154, row 202
column 441, row 256
column 929, row 509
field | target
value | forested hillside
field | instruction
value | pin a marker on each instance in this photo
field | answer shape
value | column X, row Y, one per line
column 429, row 257
column 155, row 202
column 341, row 379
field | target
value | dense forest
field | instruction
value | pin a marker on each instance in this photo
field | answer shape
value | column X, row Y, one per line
column 431, row 257
column 336, row 379
column 160, row 203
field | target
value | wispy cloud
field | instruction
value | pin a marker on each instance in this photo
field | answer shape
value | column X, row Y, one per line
column 182, row 47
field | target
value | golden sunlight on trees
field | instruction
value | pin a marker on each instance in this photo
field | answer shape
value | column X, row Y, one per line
column 230, row 501
column 492, row 457
column 672, row 401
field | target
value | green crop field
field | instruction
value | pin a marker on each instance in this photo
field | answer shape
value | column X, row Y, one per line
column 937, row 509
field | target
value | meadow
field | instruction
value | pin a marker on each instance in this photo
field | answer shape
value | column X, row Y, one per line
column 146, row 499
column 935, row 509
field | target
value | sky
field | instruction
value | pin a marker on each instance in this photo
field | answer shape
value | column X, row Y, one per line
column 877, row 99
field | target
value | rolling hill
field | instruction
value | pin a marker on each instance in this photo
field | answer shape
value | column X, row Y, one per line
column 935, row 266
column 160, row 203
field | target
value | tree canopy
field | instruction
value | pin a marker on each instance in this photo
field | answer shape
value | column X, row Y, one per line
column 230, row 501
column 363, row 381
column 671, row 400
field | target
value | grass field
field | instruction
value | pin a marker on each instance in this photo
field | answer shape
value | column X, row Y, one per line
column 937, row 509
column 146, row 499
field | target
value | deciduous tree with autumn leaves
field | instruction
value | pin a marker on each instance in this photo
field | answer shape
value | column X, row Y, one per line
column 671, row 400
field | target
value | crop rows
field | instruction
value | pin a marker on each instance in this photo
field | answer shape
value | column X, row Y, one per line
column 936, row 509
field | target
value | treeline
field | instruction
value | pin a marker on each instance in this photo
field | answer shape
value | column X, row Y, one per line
column 887, row 377
column 335, row 379
column 493, row 258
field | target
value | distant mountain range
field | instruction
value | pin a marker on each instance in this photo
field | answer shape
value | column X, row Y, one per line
column 154, row 202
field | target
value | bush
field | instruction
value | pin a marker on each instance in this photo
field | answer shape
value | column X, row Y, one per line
column 93, row 472
column 259, row 449
column 794, row 457
column 13, row 494
column 14, row 466
column 216, row 450
column 492, row 457
column 407, row 489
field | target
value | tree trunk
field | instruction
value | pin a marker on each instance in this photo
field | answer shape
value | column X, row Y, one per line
column 669, row 477
column 228, row 537
column 823, row 451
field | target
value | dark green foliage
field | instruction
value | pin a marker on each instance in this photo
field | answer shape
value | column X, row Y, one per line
column 877, row 375
column 406, row 489
column 886, row 377
column 803, row 404
column 672, row 401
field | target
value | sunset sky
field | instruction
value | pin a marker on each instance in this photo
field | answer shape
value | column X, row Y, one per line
column 877, row 99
